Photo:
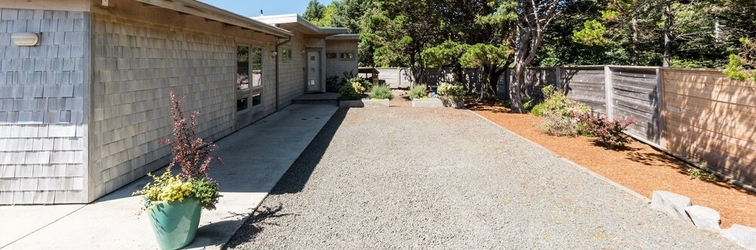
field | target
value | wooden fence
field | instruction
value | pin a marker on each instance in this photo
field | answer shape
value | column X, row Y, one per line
column 698, row 115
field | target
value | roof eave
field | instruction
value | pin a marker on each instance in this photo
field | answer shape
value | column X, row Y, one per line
column 210, row 12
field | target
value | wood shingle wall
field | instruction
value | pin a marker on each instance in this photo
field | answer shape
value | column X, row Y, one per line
column 42, row 101
column 136, row 65
column 337, row 66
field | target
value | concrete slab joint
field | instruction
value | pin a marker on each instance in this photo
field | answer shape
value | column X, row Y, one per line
column 704, row 217
column 670, row 203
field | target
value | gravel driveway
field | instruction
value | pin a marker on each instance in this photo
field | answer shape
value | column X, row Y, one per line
column 415, row 178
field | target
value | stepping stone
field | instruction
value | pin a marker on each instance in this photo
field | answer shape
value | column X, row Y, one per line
column 744, row 236
column 670, row 203
column 704, row 217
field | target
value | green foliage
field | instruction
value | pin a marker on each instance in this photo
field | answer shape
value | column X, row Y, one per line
column 592, row 34
column 481, row 54
column 419, row 92
column 736, row 69
column 539, row 109
column 443, row 55
column 702, row 173
column 448, row 89
column 333, row 83
column 381, row 92
column 206, row 191
column 353, row 89
column 561, row 115
column 314, row 11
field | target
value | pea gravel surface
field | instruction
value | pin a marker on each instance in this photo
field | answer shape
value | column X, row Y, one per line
column 440, row 178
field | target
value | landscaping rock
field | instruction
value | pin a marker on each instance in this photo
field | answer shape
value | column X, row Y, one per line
column 742, row 235
column 704, row 217
column 670, row 203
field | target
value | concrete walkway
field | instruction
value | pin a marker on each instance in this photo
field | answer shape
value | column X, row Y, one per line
column 254, row 159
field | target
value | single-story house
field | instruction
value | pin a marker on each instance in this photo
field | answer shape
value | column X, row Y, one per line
column 84, row 86
column 339, row 48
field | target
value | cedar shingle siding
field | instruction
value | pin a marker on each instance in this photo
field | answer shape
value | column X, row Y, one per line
column 42, row 132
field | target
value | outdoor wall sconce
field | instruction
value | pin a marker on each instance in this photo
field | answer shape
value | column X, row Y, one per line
column 25, row 39
column 303, row 52
column 273, row 54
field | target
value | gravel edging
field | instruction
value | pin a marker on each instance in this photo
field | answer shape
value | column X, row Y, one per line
column 446, row 179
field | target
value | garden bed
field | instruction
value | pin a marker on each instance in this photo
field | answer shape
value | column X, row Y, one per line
column 640, row 167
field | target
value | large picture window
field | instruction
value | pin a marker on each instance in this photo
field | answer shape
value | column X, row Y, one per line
column 248, row 77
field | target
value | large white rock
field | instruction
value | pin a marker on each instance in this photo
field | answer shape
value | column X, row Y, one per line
column 670, row 203
column 744, row 236
column 704, row 217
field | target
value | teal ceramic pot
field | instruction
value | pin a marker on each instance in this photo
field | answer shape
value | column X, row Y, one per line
column 175, row 223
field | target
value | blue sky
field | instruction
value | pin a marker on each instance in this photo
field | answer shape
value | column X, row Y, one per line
column 270, row 7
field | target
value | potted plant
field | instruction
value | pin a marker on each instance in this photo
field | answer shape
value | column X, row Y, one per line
column 174, row 201
column 452, row 95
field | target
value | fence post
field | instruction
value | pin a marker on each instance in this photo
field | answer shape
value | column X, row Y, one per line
column 660, row 106
column 558, row 73
column 609, row 92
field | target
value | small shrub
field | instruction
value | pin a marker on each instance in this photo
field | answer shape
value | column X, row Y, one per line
column 418, row 92
column 333, row 83
column 702, row 173
column 562, row 116
column 558, row 125
column 352, row 90
column 539, row 109
column 380, row 92
column 528, row 104
column 448, row 89
column 610, row 134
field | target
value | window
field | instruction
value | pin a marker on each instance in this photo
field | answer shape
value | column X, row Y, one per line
column 248, row 77
column 330, row 55
column 347, row 55
column 286, row 54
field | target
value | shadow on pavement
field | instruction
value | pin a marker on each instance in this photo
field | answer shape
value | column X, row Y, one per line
column 297, row 176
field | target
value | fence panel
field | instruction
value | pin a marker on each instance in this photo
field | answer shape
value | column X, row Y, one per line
column 708, row 117
column 586, row 85
column 635, row 94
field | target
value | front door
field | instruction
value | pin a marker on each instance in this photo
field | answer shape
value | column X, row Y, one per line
column 313, row 72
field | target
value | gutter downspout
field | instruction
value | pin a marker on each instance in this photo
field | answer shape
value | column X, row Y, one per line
column 277, row 68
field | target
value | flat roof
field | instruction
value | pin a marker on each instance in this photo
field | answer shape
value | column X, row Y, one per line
column 295, row 22
column 200, row 9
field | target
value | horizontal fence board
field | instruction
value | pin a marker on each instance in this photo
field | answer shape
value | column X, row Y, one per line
column 698, row 137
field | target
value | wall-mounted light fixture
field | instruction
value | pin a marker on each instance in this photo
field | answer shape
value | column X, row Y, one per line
column 273, row 53
column 303, row 52
column 25, row 39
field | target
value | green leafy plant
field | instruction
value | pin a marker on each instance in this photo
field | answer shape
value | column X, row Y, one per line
column 452, row 90
column 737, row 67
column 702, row 173
column 194, row 156
column 561, row 115
column 539, row 109
column 420, row 91
column 381, row 92
column 333, row 83
column 353, row 89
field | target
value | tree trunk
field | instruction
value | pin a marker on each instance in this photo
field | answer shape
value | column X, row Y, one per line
column 514, row 87
column 669, row 20
column 634, row 44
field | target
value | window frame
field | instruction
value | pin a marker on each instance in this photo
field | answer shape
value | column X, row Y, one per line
column 251, row 96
